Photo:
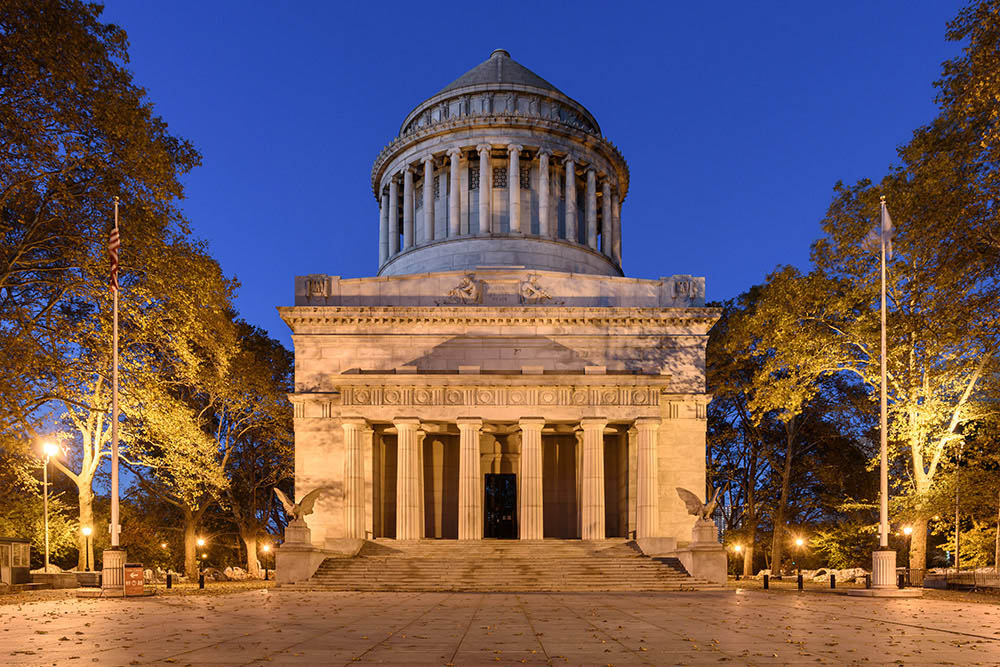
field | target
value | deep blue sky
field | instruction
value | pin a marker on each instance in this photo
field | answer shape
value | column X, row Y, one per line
column 736, row 118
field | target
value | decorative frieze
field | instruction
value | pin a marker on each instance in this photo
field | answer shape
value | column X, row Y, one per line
column 450, row 395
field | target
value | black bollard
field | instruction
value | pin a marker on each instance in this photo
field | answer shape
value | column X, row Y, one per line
column 737, row 576
column 265, row 574
column 868, row 581
column 901, row 581
column 201, row 580
column 170, row 580
column 833, row 581
column 800, row 581
column 767, row 582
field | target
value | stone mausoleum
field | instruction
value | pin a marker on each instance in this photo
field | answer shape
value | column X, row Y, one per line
column 499, row 377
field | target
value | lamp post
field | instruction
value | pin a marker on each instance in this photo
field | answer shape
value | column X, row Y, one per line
column 798, row 560
column 266, row 548
column 86, row 530
column 49, row 450
column 908, row 531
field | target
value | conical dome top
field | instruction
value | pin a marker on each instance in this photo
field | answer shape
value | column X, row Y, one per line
column 500, row 68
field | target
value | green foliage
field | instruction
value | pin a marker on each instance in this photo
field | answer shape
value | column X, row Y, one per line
column 22, row 512
column 847, row 544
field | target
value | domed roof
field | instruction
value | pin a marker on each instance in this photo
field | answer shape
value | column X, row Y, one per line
column 500, row 68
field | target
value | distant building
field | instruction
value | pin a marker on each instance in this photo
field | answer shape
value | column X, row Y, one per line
column 499, row 377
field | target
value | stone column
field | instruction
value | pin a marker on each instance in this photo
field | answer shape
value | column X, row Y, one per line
column 455, row 196
column 592, row 208
column 354, row 477
column 578, row 451
column 383, row 229
column 429, row 198
column 407, row 208
column 514, row 187
column 592, row 514
column 393, row 217
column 571, row 232
column 407, row 480
column 470, row 481
column 616, row 226
column 647, row 491
column 543, row 195
column 529, row 506
column 485, row 189
column 606, row 231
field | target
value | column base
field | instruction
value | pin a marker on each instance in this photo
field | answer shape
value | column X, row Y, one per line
column 884, row 569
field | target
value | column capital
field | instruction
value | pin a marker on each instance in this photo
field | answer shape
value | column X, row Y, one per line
column 454, row 153
column 593, row 423
column 483, row 148
column 409, row 423
column 648, row 423
column 591, row 169
column 569, row 159
column 544, row 151
column 531, row 422
column 469, row 422
column 429, row 158
column 514, row 148
column 354, row 422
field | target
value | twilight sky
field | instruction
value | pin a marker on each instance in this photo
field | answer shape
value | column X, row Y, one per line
column 736, row 118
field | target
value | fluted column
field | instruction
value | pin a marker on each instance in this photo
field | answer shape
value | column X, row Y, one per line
column 592, row 208
column 407, row 208
column 429, row 198
column 485, row 189
column 354, row 477
column 529, row 506
column 578, row 452
column 606, row 231
column 455, row 196
column 647, row 489
column 616, row 226
column 571, row 231
column 470, row 481
column 514, row 187
column 592, row 515
column 383, row 229
column 407, row 480
column 543, row 195
column 393, row 217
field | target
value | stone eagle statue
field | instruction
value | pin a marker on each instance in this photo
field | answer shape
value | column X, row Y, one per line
column 301, row 509
column 697, row 508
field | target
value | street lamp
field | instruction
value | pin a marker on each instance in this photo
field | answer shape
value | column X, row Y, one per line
column 86, row 530
column 798, row 561
column 50, row 450
column 201, row 541
column 266, row 548
column 907, row 530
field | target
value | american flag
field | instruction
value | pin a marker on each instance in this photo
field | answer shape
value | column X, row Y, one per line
column 113, row 244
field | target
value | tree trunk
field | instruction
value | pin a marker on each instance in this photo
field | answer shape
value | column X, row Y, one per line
column 249, row 538
column 996, row 553
column 918, row 544
column 190, row 545
column 85, row 546
column 778, row 536
column 751, row 522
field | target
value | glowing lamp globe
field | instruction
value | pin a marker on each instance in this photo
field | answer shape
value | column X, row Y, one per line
column 50, row 449
column 907, row 530
column 799, row 542
column 86, row 530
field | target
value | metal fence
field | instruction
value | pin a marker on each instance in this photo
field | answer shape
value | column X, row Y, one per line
column 963, row 580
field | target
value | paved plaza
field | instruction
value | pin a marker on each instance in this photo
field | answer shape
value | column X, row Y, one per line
column 277, row 628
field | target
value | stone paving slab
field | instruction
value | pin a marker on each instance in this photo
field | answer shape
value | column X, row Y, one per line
column 699, row 628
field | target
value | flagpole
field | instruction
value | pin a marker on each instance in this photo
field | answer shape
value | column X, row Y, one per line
column 883, row 405
column 115, row 527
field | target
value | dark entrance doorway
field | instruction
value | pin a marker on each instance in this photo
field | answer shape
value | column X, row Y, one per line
column 500, row 507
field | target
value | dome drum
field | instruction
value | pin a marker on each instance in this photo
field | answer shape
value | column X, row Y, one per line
column 500, row 168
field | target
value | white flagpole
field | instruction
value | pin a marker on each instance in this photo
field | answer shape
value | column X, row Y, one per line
column 115, row 528
column 883, row 405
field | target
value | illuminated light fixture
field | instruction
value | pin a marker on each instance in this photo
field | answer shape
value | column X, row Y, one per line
column 50, row 449
column 907, row 530
column 201, row 541
column 86, row 530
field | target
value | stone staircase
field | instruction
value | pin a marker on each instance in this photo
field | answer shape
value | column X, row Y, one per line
column 501, row 566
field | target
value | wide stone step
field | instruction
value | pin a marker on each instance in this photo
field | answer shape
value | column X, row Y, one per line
column 502, row 566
